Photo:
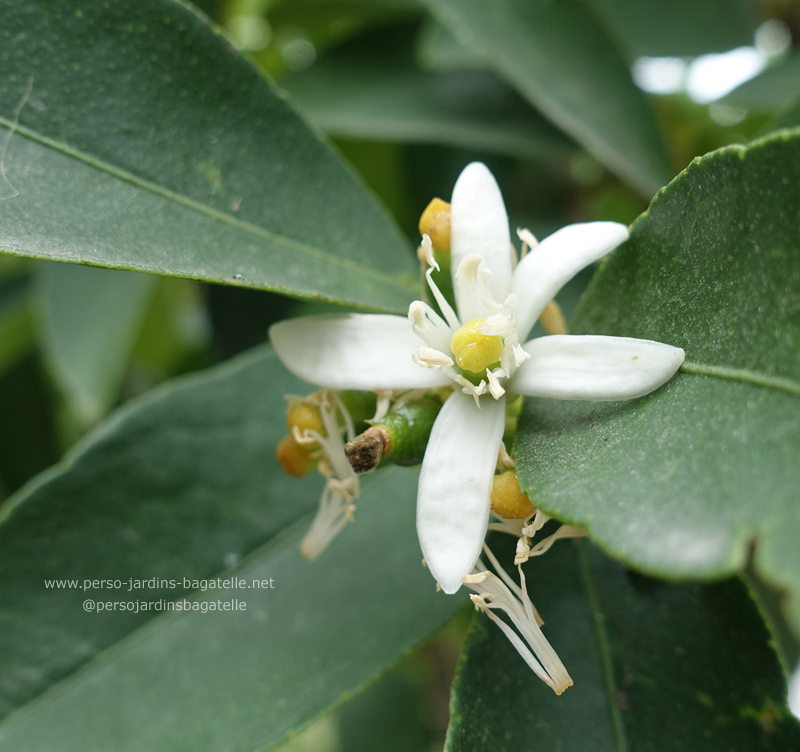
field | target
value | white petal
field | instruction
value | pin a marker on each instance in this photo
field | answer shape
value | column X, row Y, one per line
column 455, row 486
column 556, row 260
column 353, row 351
column 479, row 224
column 594, row 368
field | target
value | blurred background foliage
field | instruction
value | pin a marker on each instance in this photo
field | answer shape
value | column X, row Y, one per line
column 407, row 104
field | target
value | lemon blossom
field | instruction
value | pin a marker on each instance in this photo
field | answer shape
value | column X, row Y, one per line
column 477, row 347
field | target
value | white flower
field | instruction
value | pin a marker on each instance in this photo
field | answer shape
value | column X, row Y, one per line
column 477, row 346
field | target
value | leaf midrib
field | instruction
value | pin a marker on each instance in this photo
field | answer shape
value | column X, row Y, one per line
column 124, row 176
column 603, row 648
column 744, row 376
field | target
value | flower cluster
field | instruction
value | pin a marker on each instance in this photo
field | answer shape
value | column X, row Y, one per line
column 479, row 347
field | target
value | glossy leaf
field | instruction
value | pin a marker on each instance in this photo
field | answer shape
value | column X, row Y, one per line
column 153, row 145
column 183, row 484
column 89, row 321
column 560, row 59
column 681, row 483
column 656, row 667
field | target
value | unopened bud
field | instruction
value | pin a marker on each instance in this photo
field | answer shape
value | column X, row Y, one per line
column 295, row 459
column 435, row 222
column 508, row 501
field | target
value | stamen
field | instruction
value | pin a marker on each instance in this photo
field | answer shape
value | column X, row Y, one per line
column 529, row 242
column 427, row 251
column 502, row 593
column 336, row 509
column 494, row 377
column 428, row 357
column 565, row 531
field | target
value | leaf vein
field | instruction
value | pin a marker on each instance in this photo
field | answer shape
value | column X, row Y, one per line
column 388, row 279
column 603, row 649
column 745, row 376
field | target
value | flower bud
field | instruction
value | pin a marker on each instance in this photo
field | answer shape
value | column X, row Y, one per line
column 508, row 501
column 435, row 222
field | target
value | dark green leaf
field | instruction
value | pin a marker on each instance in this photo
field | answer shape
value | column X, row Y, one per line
column 682, row 482
column 469, row 109
column 242, row 680
column 16, row 320
column 28, row 439
column 148, row 143
column 682, row 28
column 374, row 90
column 557, row 55
column 89, row 322
column 183, row 484
column 656, row 667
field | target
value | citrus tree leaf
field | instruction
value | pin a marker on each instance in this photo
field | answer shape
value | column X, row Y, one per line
column 184, row 484
column 655, row 666
column 683, row 482
column 17, row 329
column 146, row 142
column 770, row 90
column 376, row 91
column 683, row 28
column 89, row 321
column 558, row 56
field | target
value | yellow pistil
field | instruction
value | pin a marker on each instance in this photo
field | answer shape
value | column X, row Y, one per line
column 475, row 351
column 508, row 501
column 435, row 222
column 304, row 415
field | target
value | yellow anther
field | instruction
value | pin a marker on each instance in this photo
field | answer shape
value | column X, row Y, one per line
column 435, row 222
column 294, row 458
column 508, row 501
column 304, row 416
column 473, row 350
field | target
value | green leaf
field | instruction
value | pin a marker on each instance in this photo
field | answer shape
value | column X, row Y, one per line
column 28, row 439
column 438, row 49
column 682, row 28
column 184, row 484
column 148, row 143
column 770, row 90
column 683, row 482
column 90, row 319
column 16, row 321
column 655, row 667
column 243, row 680
column 364, row 92
column 558, row 57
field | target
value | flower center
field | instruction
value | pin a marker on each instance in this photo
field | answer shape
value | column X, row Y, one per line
column 473, row 350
